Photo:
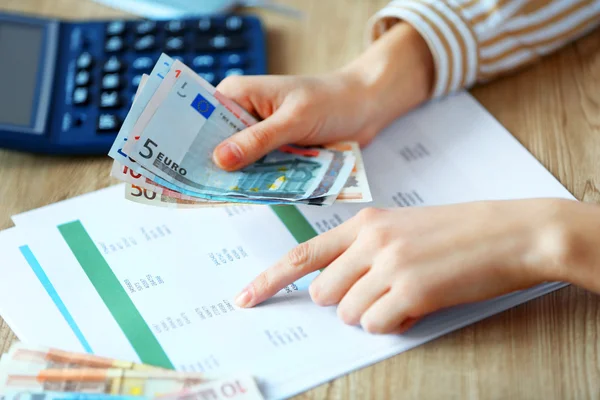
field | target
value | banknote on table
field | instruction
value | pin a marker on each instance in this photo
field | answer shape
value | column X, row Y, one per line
column 240, row 387
column 163, row 152
column 49, row 373
column 40, row 357
column 98, row 380
column 52, row 395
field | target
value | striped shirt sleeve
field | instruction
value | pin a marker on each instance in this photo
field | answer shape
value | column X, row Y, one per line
column 476, row 41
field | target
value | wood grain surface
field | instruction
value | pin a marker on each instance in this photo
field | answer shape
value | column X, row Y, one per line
column 546, row 349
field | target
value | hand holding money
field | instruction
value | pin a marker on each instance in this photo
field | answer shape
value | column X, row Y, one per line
column 164, row 152
column 308, row 111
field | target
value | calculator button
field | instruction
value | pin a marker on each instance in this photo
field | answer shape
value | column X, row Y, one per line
column 175, row 43
column 145, row 27
column 115, row 28
column 205, row 61
column 235, row 60
column 135, row 81
column 84, row 61
column 112, row 65
column 220, row 42
column 111, row 82
column 234, row 24
column 145, row 43
column 110, row 100
column 205, row 25
column 108, row 123
column 234, row 71
column 82, row 78
column 114, row 44
column 209, row 77
column 80, row 96
column 176, row 26
column 143, row 63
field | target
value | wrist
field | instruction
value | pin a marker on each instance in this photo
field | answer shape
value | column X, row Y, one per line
column 569, row 244
column 395, row 74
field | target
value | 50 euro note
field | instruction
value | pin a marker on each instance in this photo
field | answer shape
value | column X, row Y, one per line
column 241, row 387
column 114, row 381
column 35, row 358
column 32, row 372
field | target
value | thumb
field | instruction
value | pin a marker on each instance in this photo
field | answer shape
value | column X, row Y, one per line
column 254, row 142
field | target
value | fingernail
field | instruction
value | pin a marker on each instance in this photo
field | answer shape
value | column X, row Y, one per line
column 228, row 155
column 243, row 299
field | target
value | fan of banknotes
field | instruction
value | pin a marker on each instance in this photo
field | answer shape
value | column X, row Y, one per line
column 41, row 373
column 164, row 152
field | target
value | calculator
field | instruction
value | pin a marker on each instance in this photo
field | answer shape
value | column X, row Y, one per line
column 66, row 86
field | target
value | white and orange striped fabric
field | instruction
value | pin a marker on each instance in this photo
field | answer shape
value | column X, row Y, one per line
column 475, row 41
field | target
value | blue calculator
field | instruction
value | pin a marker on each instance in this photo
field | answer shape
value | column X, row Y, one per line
column 66, row 87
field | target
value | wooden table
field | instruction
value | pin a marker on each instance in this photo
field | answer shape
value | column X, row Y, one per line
column 548, row 348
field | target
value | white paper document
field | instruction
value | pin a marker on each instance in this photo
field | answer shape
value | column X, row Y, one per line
column 25, row 304
column 156, row 285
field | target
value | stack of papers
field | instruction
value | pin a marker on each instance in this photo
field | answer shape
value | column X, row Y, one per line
column 107, row 276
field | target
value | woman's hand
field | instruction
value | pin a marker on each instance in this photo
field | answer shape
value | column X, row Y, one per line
column 296, row 110
column 353, row 103
column 385, row 269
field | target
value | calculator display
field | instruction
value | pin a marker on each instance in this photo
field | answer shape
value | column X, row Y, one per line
column 20, row 51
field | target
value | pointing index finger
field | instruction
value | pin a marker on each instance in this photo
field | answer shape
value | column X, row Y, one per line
column 305, row 258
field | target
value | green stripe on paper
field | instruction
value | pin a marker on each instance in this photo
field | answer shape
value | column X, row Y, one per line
column 295, row 222
column 114, row 296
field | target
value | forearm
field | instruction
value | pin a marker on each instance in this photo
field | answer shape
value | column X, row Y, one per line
column 395, row 74
column 422, row 49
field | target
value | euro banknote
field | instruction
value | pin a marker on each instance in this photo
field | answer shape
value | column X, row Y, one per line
column 51, row 395
column 164, row 152
column 239, row 388
column 30, row 372
column 178, row 149
column 242, row 387
column 40, row 357
column 142, row 190
column 356, row 190
column 97, row 380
